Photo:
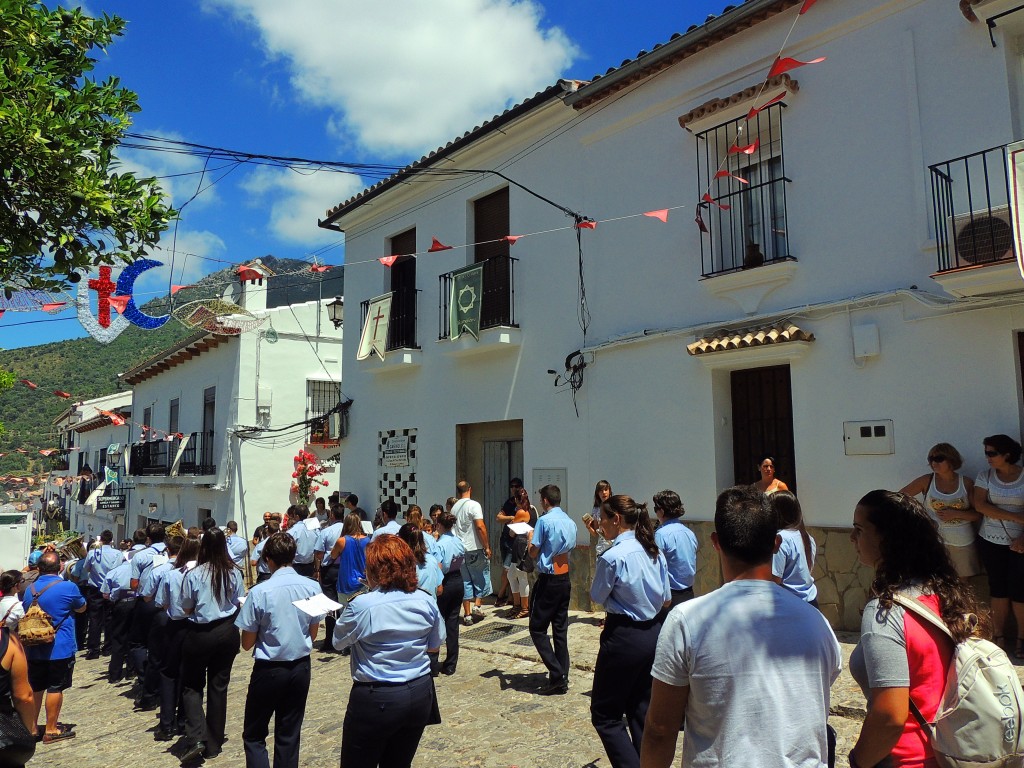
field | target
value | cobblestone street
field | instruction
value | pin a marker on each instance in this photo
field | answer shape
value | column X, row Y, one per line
column 492, row 716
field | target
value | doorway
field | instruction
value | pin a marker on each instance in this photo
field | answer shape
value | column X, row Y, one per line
column 762, row 423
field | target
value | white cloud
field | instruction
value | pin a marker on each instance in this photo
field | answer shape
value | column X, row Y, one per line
column 296, row 200
column 405, row 76
column 189, row 258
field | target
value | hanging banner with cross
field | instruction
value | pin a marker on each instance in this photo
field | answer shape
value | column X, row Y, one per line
column 375, row 330
column 464, row 303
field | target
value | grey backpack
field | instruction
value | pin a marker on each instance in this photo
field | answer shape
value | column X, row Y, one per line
column 978, row 722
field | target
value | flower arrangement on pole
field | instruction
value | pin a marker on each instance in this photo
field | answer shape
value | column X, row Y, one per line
column 306, row 479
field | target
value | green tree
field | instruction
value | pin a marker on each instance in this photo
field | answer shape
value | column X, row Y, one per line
column 64, row 203
column 6, row 382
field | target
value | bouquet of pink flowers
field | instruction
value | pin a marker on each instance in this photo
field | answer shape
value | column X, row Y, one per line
column 306, row 480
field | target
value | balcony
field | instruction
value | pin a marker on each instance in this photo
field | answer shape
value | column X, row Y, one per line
column 155, row 458
column 59, row 462
column 402, row 321
column 498, row 326
column 976, row 254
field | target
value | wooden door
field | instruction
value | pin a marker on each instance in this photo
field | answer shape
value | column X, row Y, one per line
column 762, row 423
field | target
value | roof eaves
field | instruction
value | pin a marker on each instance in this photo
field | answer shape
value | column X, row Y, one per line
column 680, row 46
column 558, row 90
column 144, row 370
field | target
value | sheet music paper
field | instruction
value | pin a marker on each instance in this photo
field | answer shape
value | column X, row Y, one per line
column 520, row 528
column 317, row 605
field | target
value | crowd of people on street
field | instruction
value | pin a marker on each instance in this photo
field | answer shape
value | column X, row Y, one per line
column 745, row 669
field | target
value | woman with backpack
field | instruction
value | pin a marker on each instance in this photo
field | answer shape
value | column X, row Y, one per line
column 902, row 659
column 521, row 566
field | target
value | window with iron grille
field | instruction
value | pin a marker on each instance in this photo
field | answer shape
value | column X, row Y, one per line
column 742, row 166
column 323, row 406
column 172, row 417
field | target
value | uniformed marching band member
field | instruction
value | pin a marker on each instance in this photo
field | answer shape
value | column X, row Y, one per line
column 238, row 547
column 98, row 563
column 391, row 629
column 451, row 552
column 138, row 543
column 631, row 581
column 305, row 540
column 138, row 637
column 327, row 567
column 117, row 590
column 168, row 598
column 210, row 598
column 262, row 569
column 281, row 638
column 156, row 637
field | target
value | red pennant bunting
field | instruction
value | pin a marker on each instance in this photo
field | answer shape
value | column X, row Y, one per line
column 774, row 100
column 2, row 312
column 47, row 451
column 783, row 65
column 120, row 303
column 588, row 224
column 179, row 435
column 511, row 239
column 661, row 215
column 116, row 419
column 176, row 288
column 700, row 223
column 806, row 6
column 28, row 383
column 437, row 245
column 709, row 199
column 724, row 174
column 319, row 268
column 750, row 149
column 58, row 393
column 52, row 305
column 387, row 261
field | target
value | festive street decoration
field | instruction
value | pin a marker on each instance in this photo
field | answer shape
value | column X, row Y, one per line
column 319, row 268
column 224, row 318
column 27, row 301
column 586, row 224
column 511, row 239
column 306, row 480
column 464, row 302
column 176, row 288
column 374, row 339
column 437, row 245
column 115, row 418
column 785, row 64
column 661, row 215
column 28, row 383
column 125, row 287
column 755, row 111
column 387, row 261
column 104, row 326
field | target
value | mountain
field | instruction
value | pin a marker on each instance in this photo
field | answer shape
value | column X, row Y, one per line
column 86, row 369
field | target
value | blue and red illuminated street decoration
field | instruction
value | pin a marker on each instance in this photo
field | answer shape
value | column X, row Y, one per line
column 105, row 325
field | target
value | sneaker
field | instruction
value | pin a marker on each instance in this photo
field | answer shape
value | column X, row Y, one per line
column 478, row 612
column 467, row 620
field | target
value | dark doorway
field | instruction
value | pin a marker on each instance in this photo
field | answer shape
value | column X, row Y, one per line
column 762, row 423
column 490, row 225
column 402, row 326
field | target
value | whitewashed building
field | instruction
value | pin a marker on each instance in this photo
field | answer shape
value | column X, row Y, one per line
column 226, row 414
column 857, row 303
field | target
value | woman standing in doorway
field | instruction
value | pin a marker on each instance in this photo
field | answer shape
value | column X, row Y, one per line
column 769, row 483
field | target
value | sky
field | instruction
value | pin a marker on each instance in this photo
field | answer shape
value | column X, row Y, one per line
column 381, row 82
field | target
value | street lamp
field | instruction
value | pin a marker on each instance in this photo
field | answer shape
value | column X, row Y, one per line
column 336, row 311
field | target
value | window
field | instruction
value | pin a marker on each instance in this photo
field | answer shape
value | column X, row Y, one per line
column 490, row 226
column 323, row 411
column 741, row 165
column 147, row 417
column 172, row 417
column 402, row 325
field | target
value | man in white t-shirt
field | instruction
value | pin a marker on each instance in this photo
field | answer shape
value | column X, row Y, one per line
column 476, row 568
column 748, row 666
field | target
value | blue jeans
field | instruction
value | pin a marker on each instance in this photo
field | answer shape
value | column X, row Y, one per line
column 475, row 575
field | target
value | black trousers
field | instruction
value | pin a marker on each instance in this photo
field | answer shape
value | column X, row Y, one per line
column 121, row 614
column 384, row 723
column 278, row 689
column 549, row 606
column 681, row 596
column 208, row 651
column 138, row 636
column 156, row 642
column 449, row 603
column 622, row 686
column 304, row 569
column 170, row 674
column 81, row 619
column 98, row 619
column 329, row 585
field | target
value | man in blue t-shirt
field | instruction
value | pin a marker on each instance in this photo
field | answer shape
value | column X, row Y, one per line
column 50, row 666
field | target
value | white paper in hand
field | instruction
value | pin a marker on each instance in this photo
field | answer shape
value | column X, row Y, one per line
column 160, row 560
column 367, row 527
column 317, row 605
column 520, row 528
column 312, row 523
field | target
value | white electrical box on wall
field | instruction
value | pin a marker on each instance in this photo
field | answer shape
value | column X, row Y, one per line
column 868, row 438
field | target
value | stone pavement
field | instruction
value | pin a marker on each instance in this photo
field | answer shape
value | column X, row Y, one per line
column 492, row 716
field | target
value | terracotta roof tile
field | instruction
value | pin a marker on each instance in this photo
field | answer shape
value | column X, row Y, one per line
column 717, row 104
column 743, row 338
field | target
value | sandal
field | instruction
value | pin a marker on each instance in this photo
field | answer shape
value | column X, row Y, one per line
column 63, row 732
column 523, row 614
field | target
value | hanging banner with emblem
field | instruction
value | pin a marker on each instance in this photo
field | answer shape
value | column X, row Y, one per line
column 464, row 303
column 375, row 330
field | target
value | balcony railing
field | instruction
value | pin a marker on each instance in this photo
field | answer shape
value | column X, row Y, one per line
column 156, row 457
column 498, row 304
column 402, row 321
column 971, row 211
column 59, row 461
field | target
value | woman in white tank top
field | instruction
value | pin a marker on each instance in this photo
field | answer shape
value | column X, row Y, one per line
column 947, row 499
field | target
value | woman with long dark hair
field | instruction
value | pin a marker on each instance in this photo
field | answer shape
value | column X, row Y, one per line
column 428, row 570
column 793, row 562
column 518, row 577
column 391, row 630
column 678, row 543
column 901, row 657
column 631, row 580
column 349, row 551
column 210, row 596
column 768, row 483
column 451, row 553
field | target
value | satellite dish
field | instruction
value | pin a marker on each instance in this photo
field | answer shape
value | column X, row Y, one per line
column 233, row 292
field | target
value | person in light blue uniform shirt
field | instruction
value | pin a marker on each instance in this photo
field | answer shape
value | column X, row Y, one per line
column 117, row 590
column 157, row 620
column 631, row 580
column 138, row 543
column 281, row 637
column 305, row 540
column 551, row 542
column 391, row 630
column 452, row 553
column 390, row 510
column 210, row 596
column 155, row 535
column 677, row 543
column 257, row 561
column 238, row 547
column 428, row 569
column 793, row 561
column 168, row 599
column 142, row 615
column 326, row 571
column 98, row 563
